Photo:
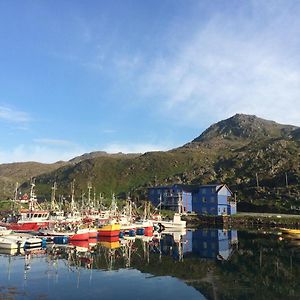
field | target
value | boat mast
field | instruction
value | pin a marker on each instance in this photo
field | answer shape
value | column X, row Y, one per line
column 89, row 194
column 94, row 199
column 32, row 200
column 15, row 196
column 16, row 191
column 53, row 205
column 180, row 203
column 113, row 205
column 73, row 195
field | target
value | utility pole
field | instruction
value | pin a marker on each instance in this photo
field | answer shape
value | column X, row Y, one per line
column 286, row 180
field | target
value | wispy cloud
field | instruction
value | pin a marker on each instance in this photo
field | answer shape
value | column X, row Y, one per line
column 53, row 142
column 14, row 116
column 231, row 65
column 108, row 131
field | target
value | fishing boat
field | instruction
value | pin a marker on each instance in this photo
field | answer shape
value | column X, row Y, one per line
column 31, row 219
column 4, row 231
column 109, row 230
column 175, row 223
column 25, row 241
column 33, row 242
column 6, row 243
column 78, row 234
column 93, row 233
column 125, row 219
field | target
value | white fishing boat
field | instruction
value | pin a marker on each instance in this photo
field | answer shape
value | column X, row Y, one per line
column 18, row 240
column 175, row 223
column 4, row 231
column 6, row 243
column 32, row 242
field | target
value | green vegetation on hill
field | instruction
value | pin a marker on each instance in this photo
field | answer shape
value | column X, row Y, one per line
column 258, row 159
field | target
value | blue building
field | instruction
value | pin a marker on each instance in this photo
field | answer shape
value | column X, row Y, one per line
column 210, row 243
column 214, row 243
column 213, row 199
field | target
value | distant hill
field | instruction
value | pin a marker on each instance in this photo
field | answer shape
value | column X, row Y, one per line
column 12, row 173
column 257, row 158
column 96, row 154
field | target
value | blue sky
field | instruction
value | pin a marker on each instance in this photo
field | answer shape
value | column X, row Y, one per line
column 136, row 76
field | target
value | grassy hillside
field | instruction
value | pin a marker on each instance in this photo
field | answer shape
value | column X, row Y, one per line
column 12, row 173
column 258, row 159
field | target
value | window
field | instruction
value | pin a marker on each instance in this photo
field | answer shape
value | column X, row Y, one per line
column 203, row 191
column 203, row 199
column 212, row 199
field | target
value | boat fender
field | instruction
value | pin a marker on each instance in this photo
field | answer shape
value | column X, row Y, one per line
column 161, row 227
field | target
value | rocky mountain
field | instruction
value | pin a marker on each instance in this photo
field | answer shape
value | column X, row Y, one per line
column 257, row 158
column 242, row 129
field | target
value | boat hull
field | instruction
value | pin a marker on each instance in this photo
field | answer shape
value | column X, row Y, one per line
column 109, row 230
column 8, row 244
column 28, row 226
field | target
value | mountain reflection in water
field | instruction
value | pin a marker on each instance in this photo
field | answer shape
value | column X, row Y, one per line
column 210, row 263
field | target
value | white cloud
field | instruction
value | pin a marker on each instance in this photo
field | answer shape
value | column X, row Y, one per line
column 108, row 131
column 54, row 142
column 13, row 116
column 230, row 66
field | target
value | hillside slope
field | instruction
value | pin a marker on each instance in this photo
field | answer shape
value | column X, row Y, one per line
column 257, row 158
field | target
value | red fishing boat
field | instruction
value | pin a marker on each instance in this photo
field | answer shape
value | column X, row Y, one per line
column 31, row 219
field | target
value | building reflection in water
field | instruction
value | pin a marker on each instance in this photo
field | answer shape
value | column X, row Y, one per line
column 204, row 243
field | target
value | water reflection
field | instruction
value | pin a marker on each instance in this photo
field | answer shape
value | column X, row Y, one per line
column 219, row 263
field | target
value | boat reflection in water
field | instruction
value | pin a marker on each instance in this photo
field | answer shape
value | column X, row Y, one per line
column 112, row 254
column 216, row 263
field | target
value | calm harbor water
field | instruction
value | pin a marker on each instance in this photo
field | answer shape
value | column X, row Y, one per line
column 200, row 264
